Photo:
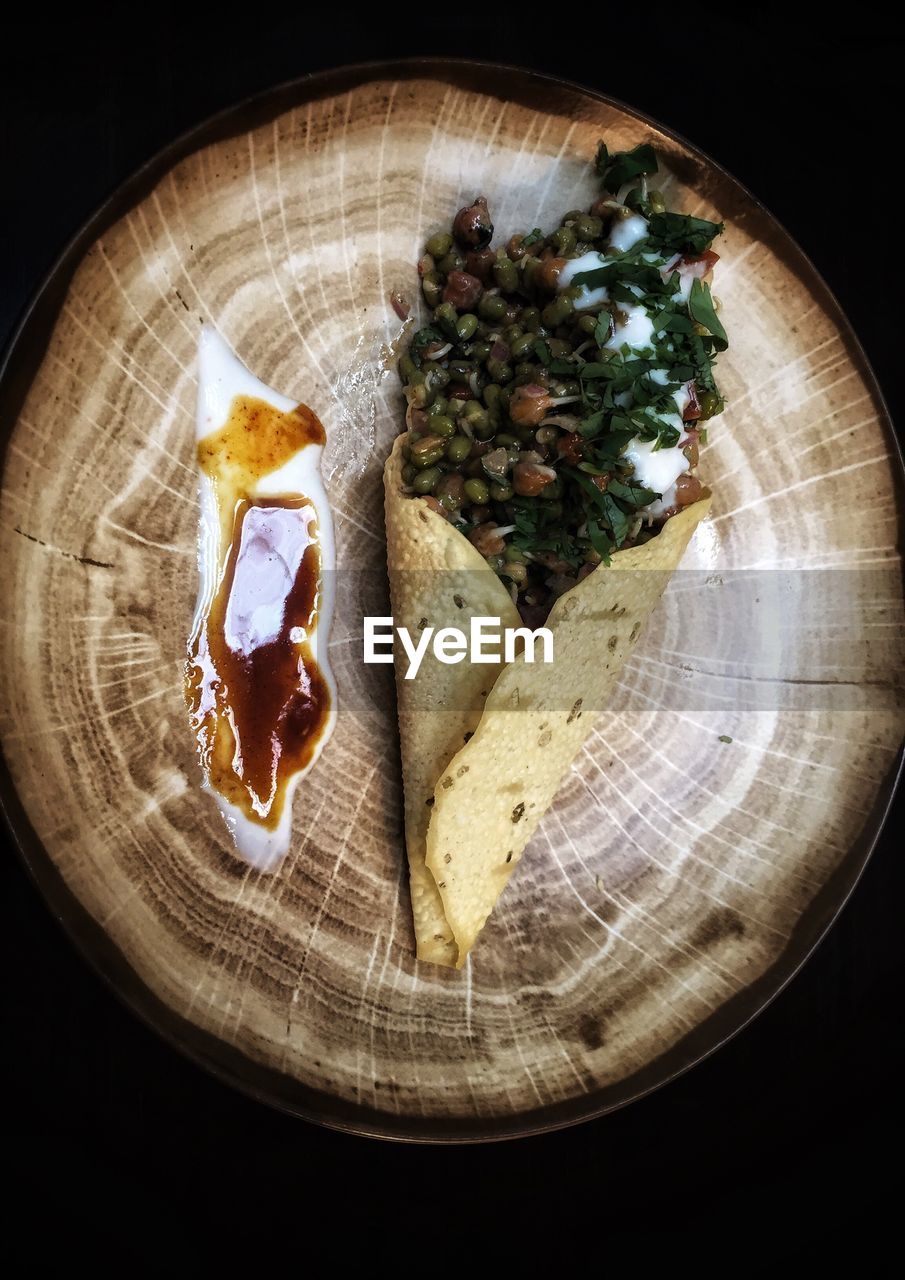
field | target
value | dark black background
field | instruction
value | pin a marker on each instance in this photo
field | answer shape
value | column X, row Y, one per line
column 790, row 1125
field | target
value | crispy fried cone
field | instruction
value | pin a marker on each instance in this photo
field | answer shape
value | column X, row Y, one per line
column 484, row 748
column 494, row 792
column 437, row 579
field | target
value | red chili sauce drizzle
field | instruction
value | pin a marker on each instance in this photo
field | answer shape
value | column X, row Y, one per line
column 257, row 699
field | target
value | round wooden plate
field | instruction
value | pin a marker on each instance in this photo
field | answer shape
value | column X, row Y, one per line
column 680, row 879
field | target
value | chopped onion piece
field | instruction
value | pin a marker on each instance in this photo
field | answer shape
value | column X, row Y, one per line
column 568, row 421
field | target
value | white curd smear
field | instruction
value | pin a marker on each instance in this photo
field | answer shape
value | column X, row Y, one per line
column 255, row 612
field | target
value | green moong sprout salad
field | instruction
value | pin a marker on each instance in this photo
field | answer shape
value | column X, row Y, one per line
column 556, row 399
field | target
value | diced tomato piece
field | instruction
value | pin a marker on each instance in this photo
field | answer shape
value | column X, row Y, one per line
column 698, row 266
column 569, row 446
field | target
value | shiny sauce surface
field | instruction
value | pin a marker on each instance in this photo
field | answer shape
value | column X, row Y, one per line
column 257, row 700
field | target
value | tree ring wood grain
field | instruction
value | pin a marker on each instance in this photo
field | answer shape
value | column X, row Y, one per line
column 673, row 899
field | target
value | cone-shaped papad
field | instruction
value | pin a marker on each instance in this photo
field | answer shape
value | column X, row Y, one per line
column 489, row 745
column 437, row 579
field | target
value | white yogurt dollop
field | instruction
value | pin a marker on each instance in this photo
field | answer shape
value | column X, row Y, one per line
column 626, row 232
column 636, row 331
column 588, row 298
column 656, row 469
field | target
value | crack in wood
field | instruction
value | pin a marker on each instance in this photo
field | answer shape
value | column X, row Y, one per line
column 70, row 555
